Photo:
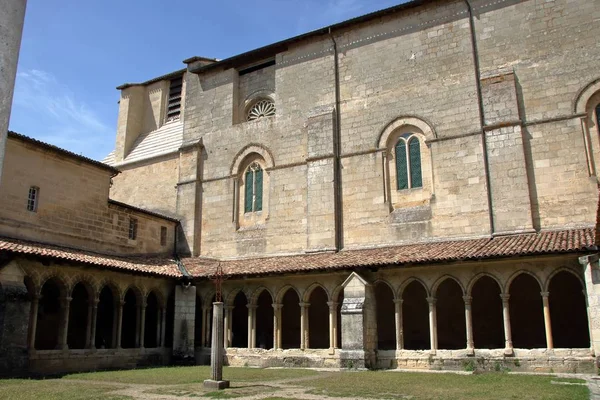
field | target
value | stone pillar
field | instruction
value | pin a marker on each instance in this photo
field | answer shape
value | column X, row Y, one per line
column 88, row 325
column 359, row 325
column 227, row 326
column 277, row 325
column 142, row 329
column 399, row 327
column 119, row 324
column 66, row 303
column 252, row 326
column 332, row 324
column 432, row 324
column 508, row 346
column 33, row 321
column 216, row 352
column 205, row 326
column 587, row 309
column 159, row 317
column 469, row 322
column 185, row 314
column 547, row 321
column 304, row 340
column 138, row 317
column 14, row 307
column 11, row 29
column 92, row 336
column 163, row 326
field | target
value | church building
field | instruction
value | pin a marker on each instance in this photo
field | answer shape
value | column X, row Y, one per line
column 412, row 188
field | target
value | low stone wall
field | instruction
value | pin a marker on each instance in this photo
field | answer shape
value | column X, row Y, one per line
column 534, row 360
column 52, row 362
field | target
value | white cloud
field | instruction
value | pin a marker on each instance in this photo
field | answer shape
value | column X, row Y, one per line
column 48, row 110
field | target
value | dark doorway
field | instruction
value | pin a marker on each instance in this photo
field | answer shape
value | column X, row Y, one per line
column 290, row 320
column 264, row 321
column 105, row 319
column 318, row 320
column 152, row 323
column 78, row 317
column 415, row 317
column 451, row 325
column 486, row 306
column 49, row 319
column 239, row 321
column 526, row 313
column 170, row 320
column 386, row 325
column 568, row 312
column 130, row 320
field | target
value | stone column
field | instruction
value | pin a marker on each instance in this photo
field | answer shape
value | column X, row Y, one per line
column 252, row 330
column 142, row 329
column 508, row 345
column 62, row 344
column 432, row 323
column 92, row 336
column 304, row 326
column 119, row 324
column 158, row 326
column 226, row 326
column 587, row 309
column 547, row 321
column 88, row 325
column 11, row 29
column 205, row 326
column 591, row 273
column 332, row 324
column 33, row 321
column 469, row 322
column 250, row 318
column 277, row 325
column 163, row 326
column 216, row 352
column 399, row 327
column 138, row 317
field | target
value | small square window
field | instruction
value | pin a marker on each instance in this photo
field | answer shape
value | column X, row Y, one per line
column 32, row 199
column 133, row 223
column 163, row 235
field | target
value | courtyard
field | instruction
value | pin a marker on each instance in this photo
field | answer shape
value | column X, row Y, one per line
column 272, row 384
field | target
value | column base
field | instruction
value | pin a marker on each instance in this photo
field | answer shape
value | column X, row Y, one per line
column 509, row 351
column 470, row 351
column 218, row 385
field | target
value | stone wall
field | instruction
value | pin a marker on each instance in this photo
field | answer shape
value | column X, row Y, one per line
column 72, row 205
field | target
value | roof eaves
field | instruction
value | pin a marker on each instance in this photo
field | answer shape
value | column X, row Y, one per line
column 141, row 210
column 170, row 75
column 62, row 152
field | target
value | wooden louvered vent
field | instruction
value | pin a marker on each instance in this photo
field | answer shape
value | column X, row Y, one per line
column 174, row 105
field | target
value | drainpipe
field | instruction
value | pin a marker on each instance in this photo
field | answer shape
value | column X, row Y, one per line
column 486, row 164
column 337, row 164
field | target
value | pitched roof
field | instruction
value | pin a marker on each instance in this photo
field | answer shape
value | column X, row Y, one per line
column 549, row 242
column 165, row 140
column 161, row 266
column 62, row 152
column 142, row 210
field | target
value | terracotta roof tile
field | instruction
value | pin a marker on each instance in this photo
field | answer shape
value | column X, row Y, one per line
column 149, row 265
column 431, row 252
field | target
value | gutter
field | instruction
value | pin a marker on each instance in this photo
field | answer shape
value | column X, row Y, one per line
column 486, row 163
column 337, row 165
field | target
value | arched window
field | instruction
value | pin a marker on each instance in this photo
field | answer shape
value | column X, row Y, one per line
column 260, row 109
column 253, row 184
column 408, row 162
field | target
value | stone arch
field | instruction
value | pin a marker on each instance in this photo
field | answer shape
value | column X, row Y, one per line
column 386, row 283
column 415, row 314
column 441, row 280
column 474, row 280
column 309, row 290
column 262, row 298
column 207, row 299
column 415, row 123
column 65, row 288
column 318, row 316
column 253, row 298
column 546, row 286
column 408, row 282
column 239, row 320
column 281, row 292
column 582, row 98
column 231, row 295
column 250, row 151
column 109, row 296
column 290, row 317
column 526, row 311
column 511, row 278
column 487, row 312
column 82, row 295
column 450, row 313
column 51, row 309
column 130, row 327
column 152, row 323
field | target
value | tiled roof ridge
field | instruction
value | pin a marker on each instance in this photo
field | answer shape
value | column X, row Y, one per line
column 62, row 151
column 148, row 264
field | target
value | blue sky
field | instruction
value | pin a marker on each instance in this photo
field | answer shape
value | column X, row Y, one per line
column 74, row 53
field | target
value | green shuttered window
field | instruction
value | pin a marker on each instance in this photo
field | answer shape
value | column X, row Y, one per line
column 253, row 190
column 408, row 162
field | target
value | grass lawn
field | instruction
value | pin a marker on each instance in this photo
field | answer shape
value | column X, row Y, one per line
column 280, row 384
